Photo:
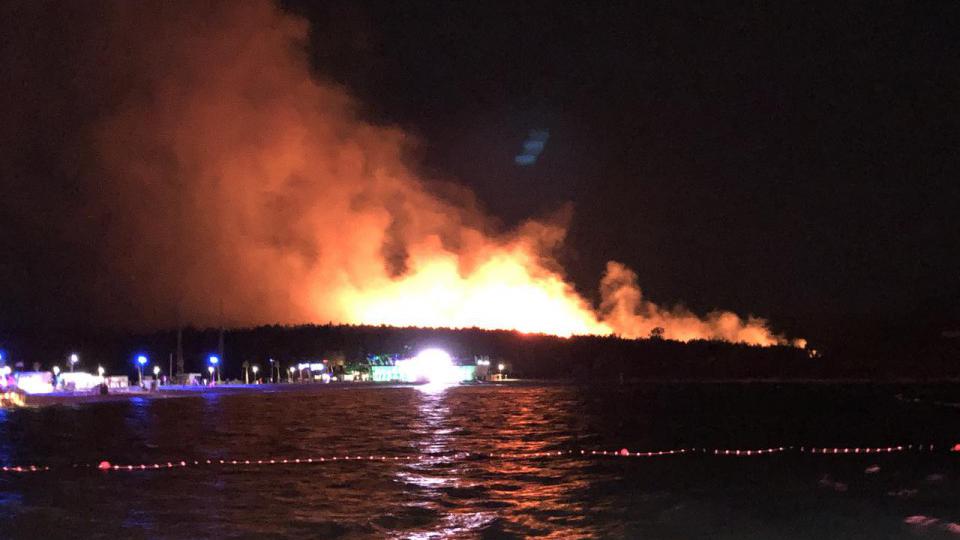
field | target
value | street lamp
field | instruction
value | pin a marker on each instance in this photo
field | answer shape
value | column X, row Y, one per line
column 210, row 369
column 56, row 371
column 141, row 361
column 74, row 359
column 290, row 374
column 271, row 370
column 255, row 370
column 214, row 364
column 101, row 371
column 500, row 367
column 156, row 371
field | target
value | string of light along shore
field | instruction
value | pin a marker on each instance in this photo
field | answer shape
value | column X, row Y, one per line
column 106, row 466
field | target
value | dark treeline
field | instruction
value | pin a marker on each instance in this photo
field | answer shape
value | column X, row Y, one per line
column 879, row 356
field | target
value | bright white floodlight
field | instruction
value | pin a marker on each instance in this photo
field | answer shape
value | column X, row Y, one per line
column 433, row 366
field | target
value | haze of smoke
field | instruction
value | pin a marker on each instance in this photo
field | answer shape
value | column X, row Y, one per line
column 625, row 310
column 229, row 175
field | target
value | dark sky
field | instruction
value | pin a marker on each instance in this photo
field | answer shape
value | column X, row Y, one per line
column 794, row 162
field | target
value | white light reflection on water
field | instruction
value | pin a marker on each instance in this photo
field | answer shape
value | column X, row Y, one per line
column 433, row 388
column 439, row 469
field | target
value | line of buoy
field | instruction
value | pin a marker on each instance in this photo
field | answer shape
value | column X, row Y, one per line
column 623, row 452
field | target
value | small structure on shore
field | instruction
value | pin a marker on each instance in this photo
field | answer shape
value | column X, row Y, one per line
column 79, row 381
column 34, row 382
column 427, row 366
column 44, row 382
column 117, row 382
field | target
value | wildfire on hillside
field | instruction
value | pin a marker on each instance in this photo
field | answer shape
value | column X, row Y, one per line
column 230, row 175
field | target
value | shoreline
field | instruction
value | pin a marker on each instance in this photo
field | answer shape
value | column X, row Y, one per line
column 181, row 391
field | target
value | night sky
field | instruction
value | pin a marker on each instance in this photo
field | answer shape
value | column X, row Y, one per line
column 794, row 162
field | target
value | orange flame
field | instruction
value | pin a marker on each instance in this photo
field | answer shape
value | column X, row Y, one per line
column 500, row 293
column 509, row 290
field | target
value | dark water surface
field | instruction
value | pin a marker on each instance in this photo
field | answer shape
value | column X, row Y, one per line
column 444, row 495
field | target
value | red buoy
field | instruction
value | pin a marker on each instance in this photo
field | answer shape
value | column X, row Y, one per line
column 104, row 466
column 956, row 448
column 624, row 452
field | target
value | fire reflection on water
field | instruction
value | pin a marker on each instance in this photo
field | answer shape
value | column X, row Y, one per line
column 475, row 495
column 441, row 471
column 454, row 484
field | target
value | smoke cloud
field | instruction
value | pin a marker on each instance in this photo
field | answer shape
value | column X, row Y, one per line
column 229, row 176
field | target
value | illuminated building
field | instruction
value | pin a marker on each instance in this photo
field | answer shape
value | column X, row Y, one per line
column 430, row 365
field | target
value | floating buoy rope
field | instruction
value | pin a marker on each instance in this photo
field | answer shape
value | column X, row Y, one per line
column 622, row 453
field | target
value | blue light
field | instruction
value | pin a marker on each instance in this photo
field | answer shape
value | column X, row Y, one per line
column 532, row 147
column 525, row 159
column 142, row 360
column 214, row 360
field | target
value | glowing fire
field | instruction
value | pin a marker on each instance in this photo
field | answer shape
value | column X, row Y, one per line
column 499, row 294
column 509, row 290
column 231, row 176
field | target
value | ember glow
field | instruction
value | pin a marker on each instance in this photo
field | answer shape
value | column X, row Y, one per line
column 230, row 175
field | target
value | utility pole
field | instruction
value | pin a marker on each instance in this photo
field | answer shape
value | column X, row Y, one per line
column 220, row 345
column 180, row 351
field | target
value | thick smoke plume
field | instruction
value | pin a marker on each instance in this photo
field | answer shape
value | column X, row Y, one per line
column 229, row 176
